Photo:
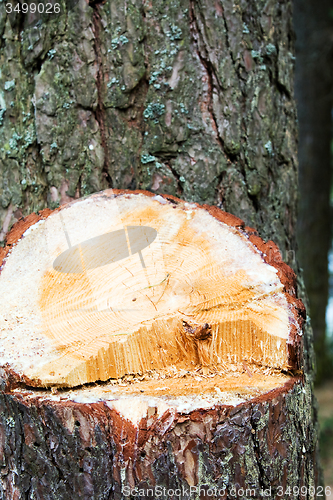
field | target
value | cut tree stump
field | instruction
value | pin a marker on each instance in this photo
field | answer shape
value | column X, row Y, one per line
column 147, row 343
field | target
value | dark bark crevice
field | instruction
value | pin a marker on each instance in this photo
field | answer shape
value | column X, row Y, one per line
column 220, row 190
column 138, row 94
column 100, row 110
column 263, row 480
column 226, row 29
column 215, row 86
column 177, row 176
column 212, row 78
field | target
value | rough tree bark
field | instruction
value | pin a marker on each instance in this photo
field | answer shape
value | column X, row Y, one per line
column 190, row 98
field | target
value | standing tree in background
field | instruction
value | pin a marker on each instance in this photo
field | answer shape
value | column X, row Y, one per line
column 314, row 83
column 189, row 98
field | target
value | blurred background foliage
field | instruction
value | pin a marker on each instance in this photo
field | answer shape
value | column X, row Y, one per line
column 313, row 23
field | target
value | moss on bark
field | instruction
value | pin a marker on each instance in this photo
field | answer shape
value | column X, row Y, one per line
column 189, row 98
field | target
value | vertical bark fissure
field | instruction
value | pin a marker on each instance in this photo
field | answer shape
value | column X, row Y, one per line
column 262, row 478
column 5, row 226
column 19, row 421
column 213, row 82
column 100, row 110
column 145, row 79
column 52, row 456
column 281, row 88
column 252, row 198
column 139, row 123
column 220, row 191
column 204, row 59
column 228, row 42
column 79, row 185
column 177, row 176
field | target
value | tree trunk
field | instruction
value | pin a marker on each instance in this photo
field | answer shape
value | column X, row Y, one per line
column 192, row 99
column 53, row 448
column 214, row 329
